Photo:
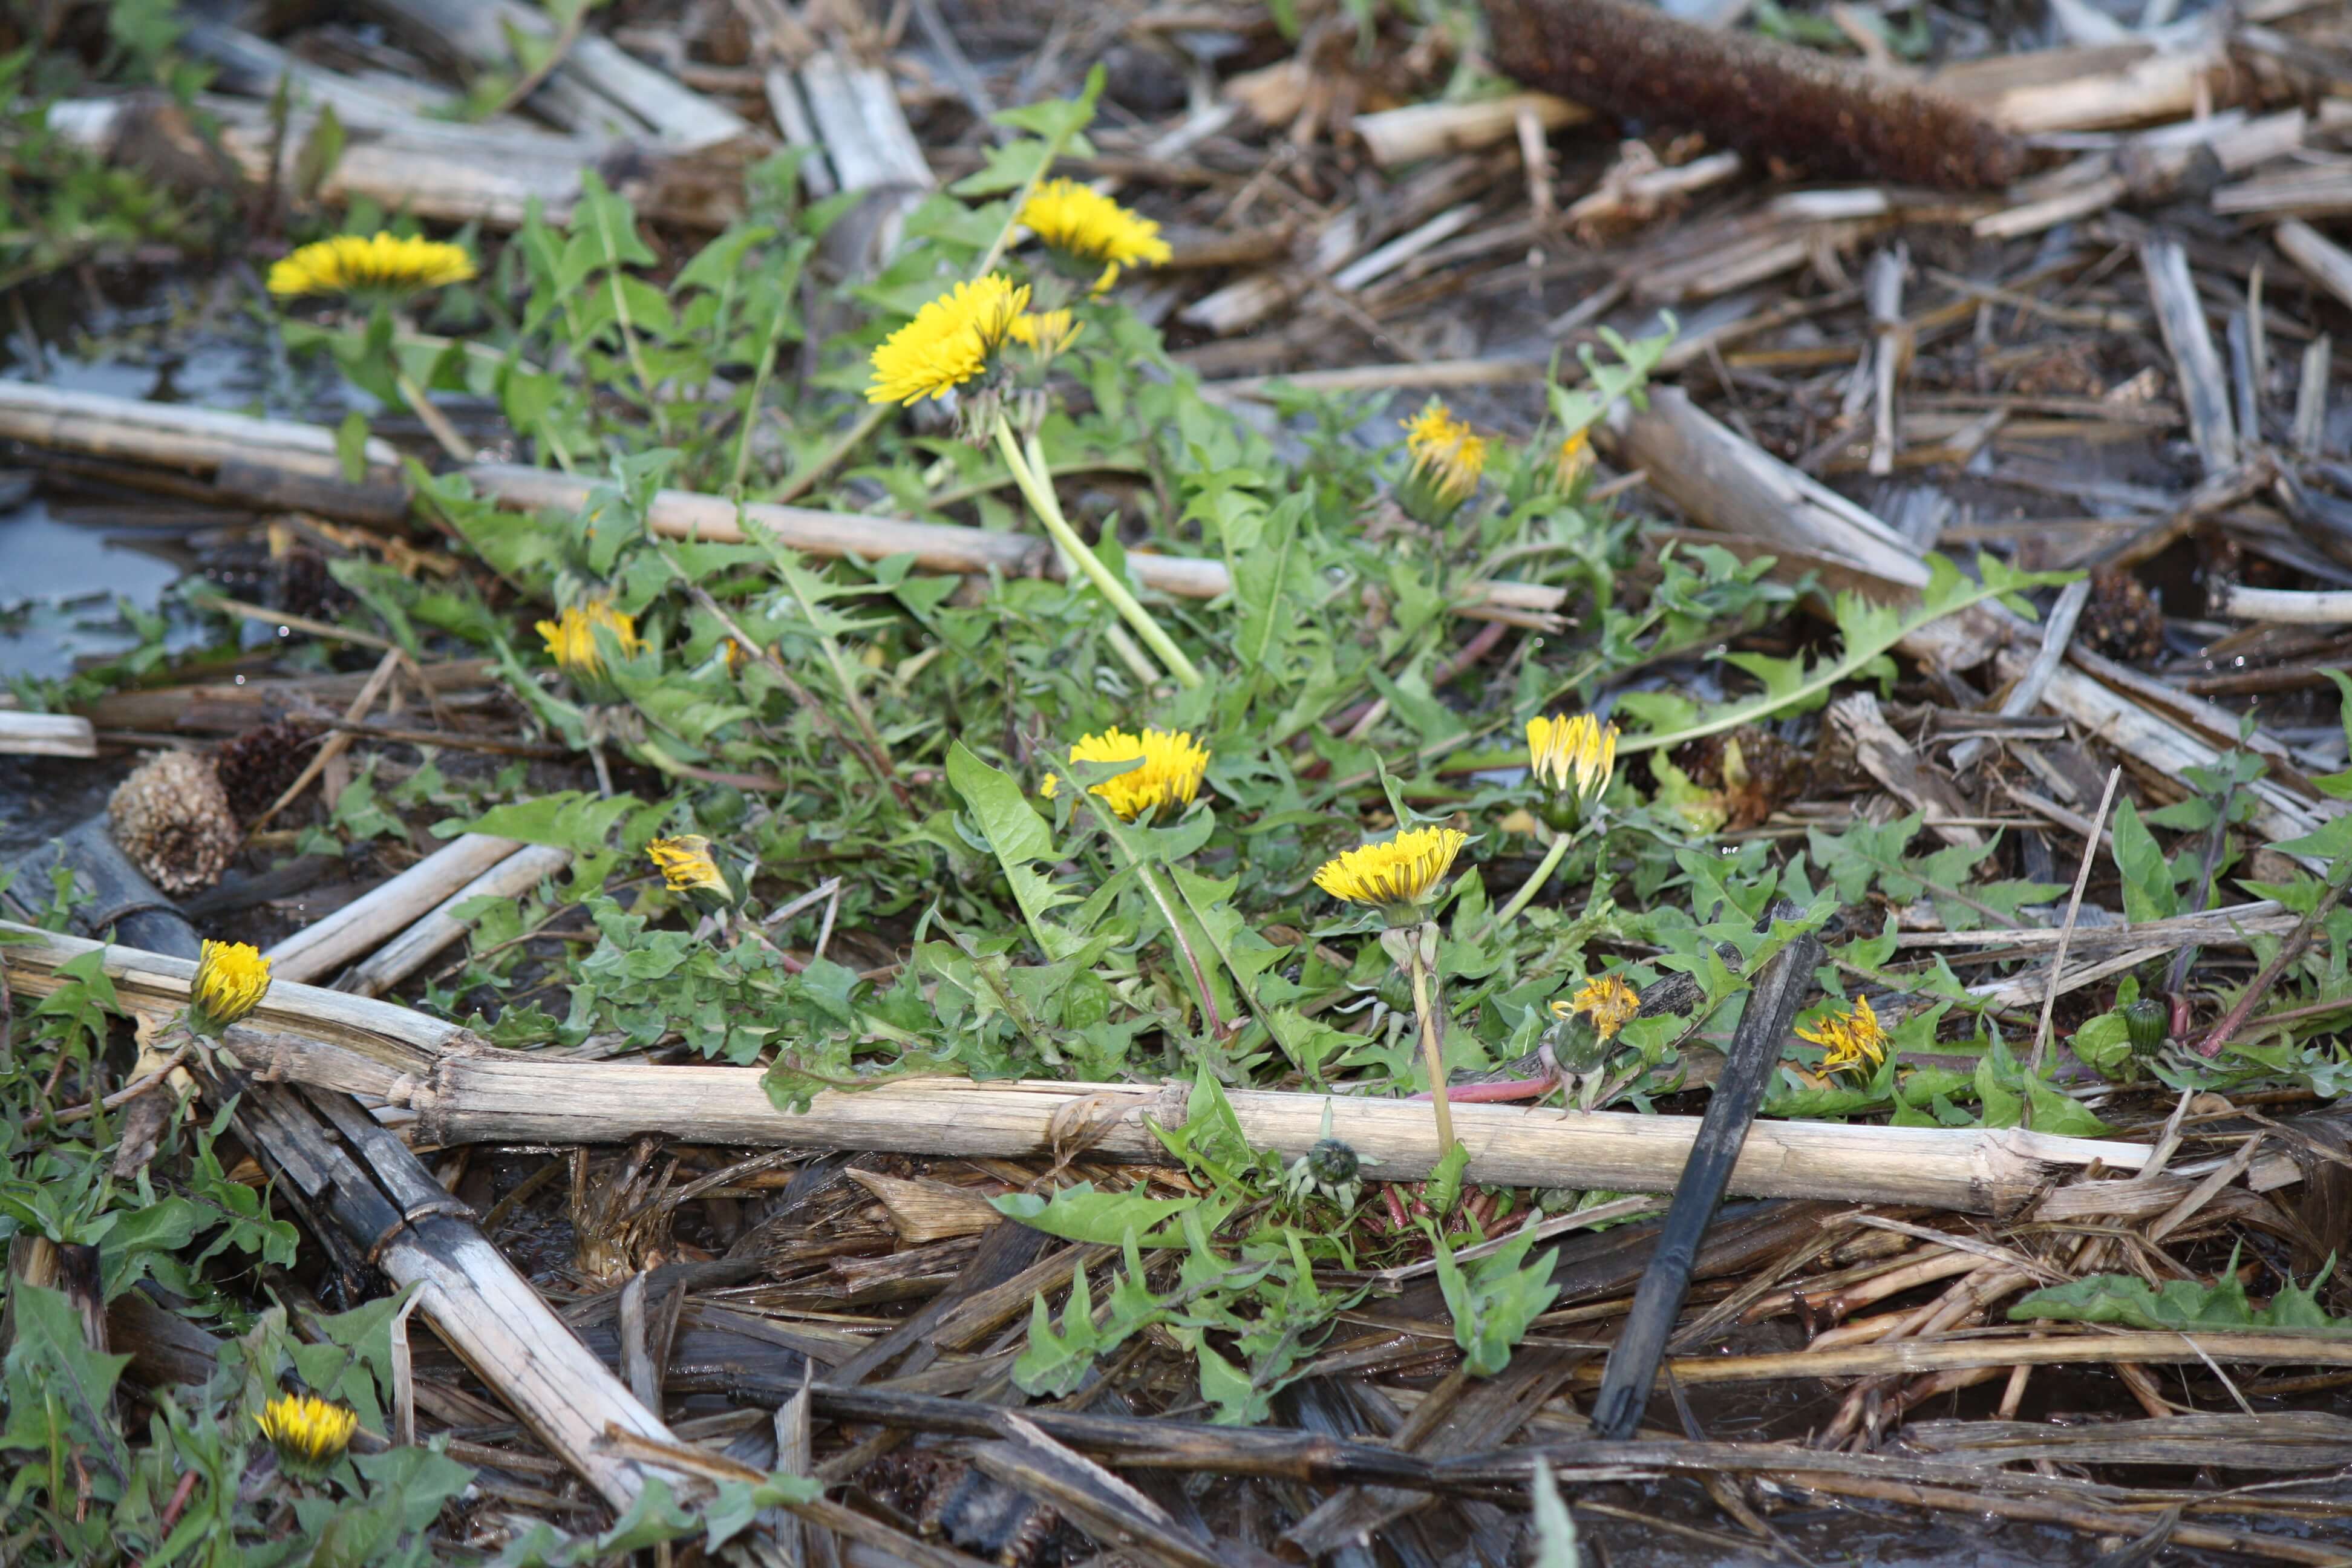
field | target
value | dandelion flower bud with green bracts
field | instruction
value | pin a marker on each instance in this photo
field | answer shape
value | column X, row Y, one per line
column 1573, row 756
column 378, row 264
column 1447, row 459
column 688, row 866
column 1045, row 334
column 308, row 1433
column 1563, row 473
column 1395, row 875
column 1853, row 1038
column 2145, row 1024
column 231, row 977
column 1090, row 230
column 1172, row 765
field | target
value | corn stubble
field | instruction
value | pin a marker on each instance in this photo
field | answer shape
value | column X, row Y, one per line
column 1765, row 99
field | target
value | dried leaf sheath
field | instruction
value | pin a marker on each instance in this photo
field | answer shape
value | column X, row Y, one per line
column 1765, row 99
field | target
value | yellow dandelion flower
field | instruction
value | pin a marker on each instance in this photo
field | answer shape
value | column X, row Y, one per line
column 308, row 1433
column 231, row 977
column 1854, row 1038
column 685, row 861
column 1172, row 766
column 949, row 341
column 1089, row 227
column 1396, row 874
column 689, row 865
column 350, row 263
column 1609, row 1001
column 1047, row 331
column 1572, row 463
column 572, row 637
column 1447, row 459
column 1573, row 756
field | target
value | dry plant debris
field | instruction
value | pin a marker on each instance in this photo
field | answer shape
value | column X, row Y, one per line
column 886, row 557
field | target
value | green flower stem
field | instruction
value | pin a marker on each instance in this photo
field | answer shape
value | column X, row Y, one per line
column 1432, row 1031
column 1533, row 885
column 1030, row 473
column 434, row 420
column 801, row 483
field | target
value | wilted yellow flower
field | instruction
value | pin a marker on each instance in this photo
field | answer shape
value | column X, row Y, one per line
column 572, row 637
column 949, row 341
column 1572, row 463
column 1608, row 1000
column 1447, row 459
column 350, row 263
column 1047, row 331
column 688, row 866
column 231, row 977
column 1853, row 1037
column 1083, row 223
column 1174, row 764
column 1573, row 756
column 1395, row 874
column 308, row 1433
column 685, row 861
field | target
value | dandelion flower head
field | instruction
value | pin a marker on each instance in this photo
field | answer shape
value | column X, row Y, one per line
column 1447, row 455
column 1608, row 1000
column 231, row 979
column 1853, row 1038
column 572, row 637
column 350, row 263
column 686, row 863
column 1047, row 331
column 1172, row 766
column 1396, row 873
column 1573, row 756
column 1571, row 462
column 949, row 341
column 308, row 1433
column 1089, row 227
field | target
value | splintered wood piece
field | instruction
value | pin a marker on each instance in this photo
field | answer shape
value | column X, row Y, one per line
column 937, row 547
column 1887, row 757
column 361, row 925
column 454, row 1089
column 1417, row 131
column 1763, row 98
column 46, row 735
column 511, row 878
column 2188, row 338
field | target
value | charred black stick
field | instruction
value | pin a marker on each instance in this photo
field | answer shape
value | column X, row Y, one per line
column 1658, row 1299
column 1765, row 99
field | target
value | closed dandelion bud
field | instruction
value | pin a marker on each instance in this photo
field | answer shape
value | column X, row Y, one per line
column 231, row 977
column 1332, row 1163
column 690, row 867
column 2145, row 1022
column 1573, row 757
column 308, row 1433
column 1562, row 471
